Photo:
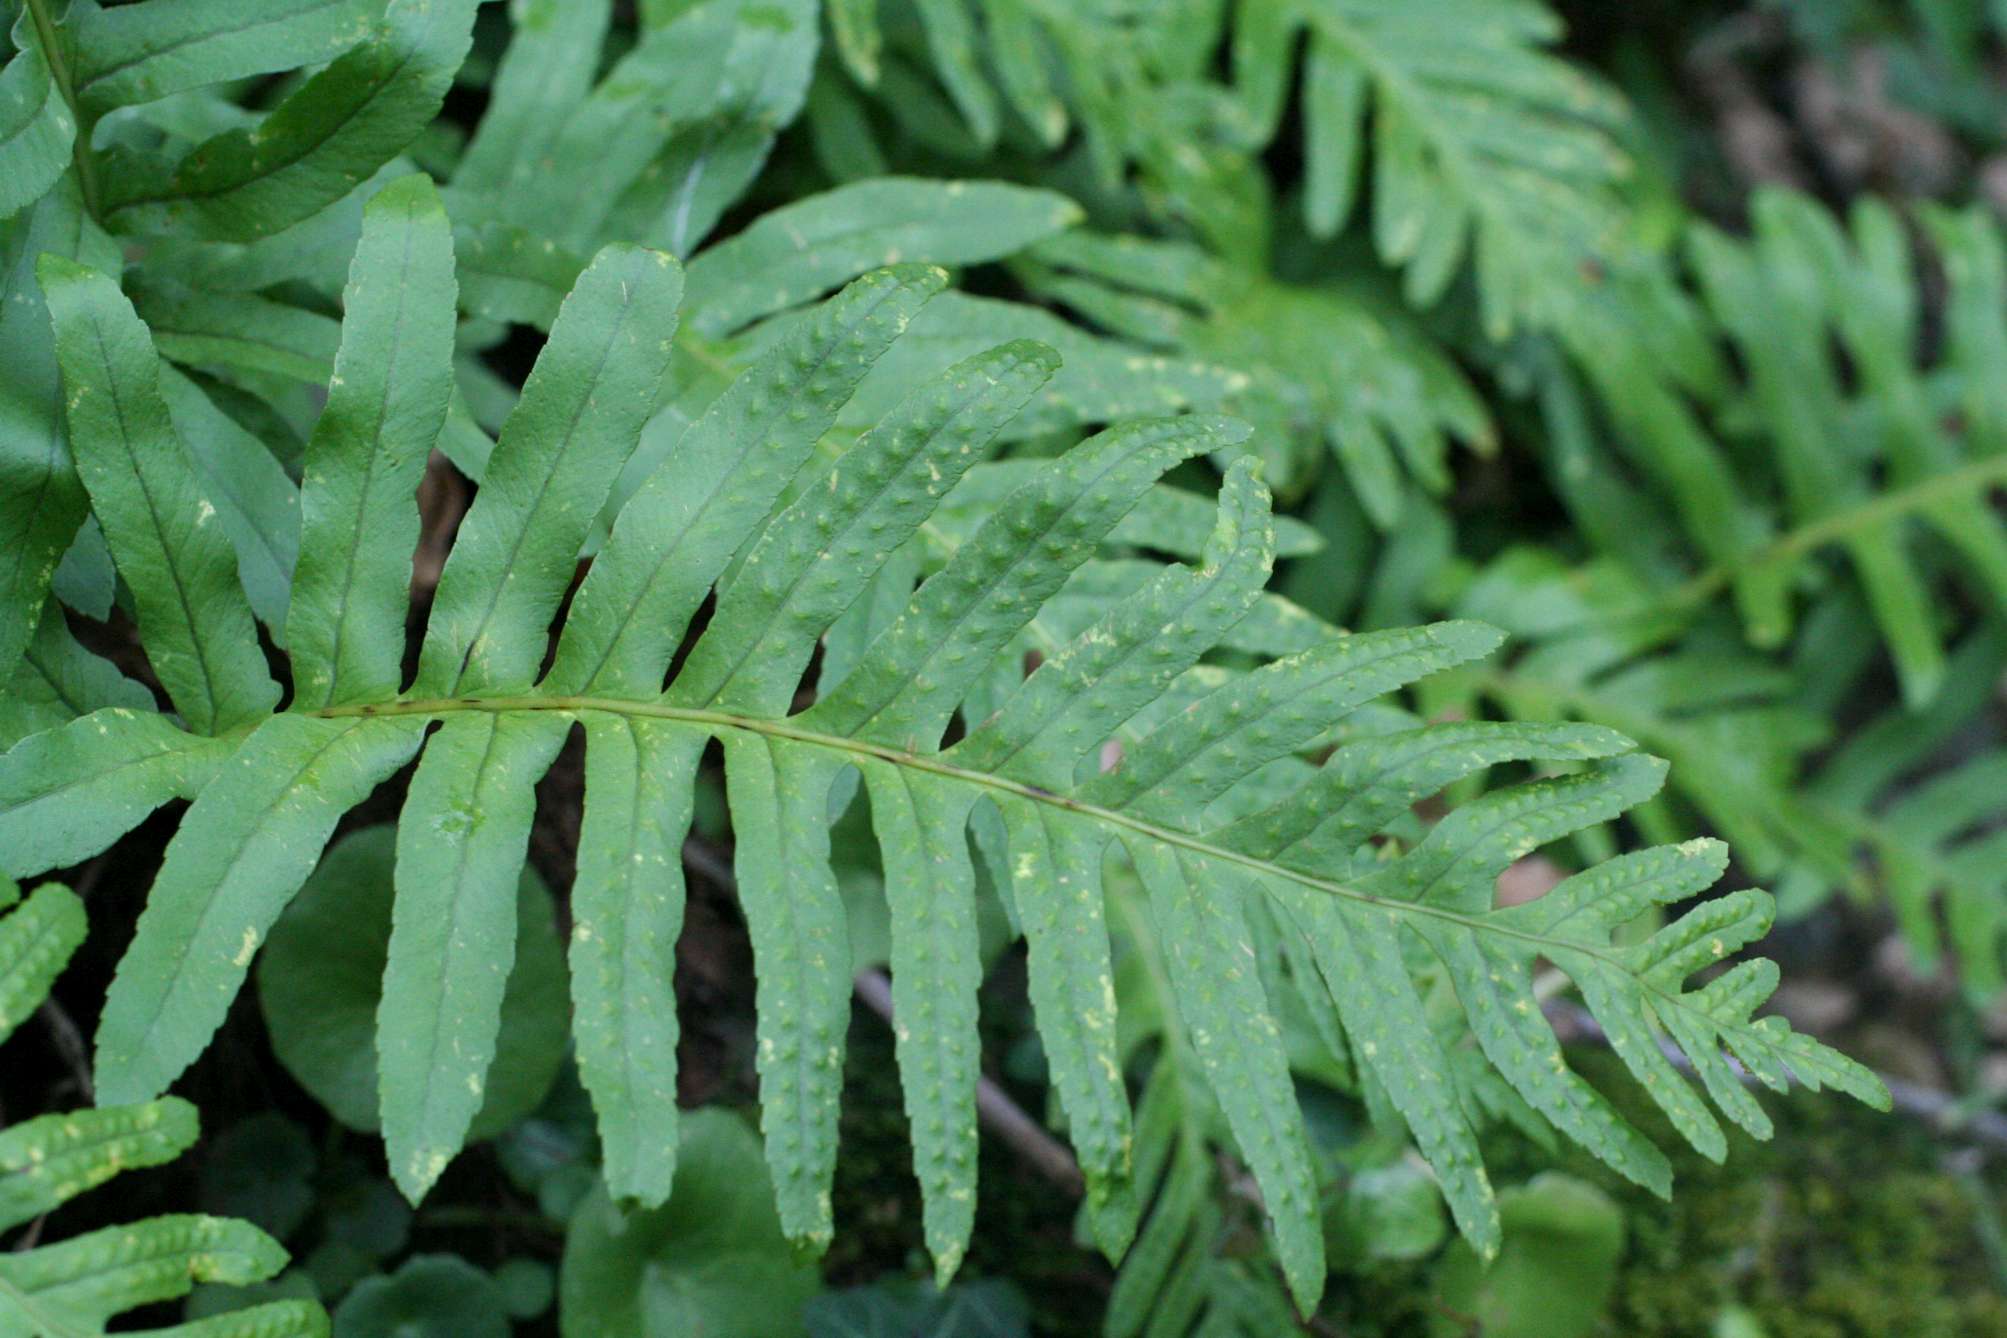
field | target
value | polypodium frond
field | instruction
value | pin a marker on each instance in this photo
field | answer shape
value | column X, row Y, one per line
column 1477, row 143
column 1214, row 801
column 1324, row 369
column 1844, row 443
column 1483, row 143
column 1918, row 450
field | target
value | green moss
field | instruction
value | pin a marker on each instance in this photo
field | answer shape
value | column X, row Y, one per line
column 1842, row 1226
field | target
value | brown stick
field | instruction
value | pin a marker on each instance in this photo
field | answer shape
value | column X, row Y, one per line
column 995, row 1110
column 1943, row 1112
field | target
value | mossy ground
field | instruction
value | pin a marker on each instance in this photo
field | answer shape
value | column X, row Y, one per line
column 1846, row 1225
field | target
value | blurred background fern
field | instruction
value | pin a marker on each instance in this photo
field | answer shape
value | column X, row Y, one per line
column 1669, row 338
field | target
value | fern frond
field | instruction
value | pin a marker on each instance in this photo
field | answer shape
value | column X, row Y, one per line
column 1366, row 386
column 58, row 680
column 39, row 126
column 1802, row 270
column 1213, row 800
column 1483, row 146
column 1925, row 820
column 41, row 501
column 1593, row 647
column 1866, row 446
column 323, row 141
column 73, row 1288
column 1483, row 143
column 656, row 149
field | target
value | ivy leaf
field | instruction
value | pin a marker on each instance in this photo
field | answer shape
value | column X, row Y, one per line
column 712, row 1260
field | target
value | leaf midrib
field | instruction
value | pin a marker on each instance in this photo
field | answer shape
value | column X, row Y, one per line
column 380, row 415
column 212, row 709
column 441, row 708
column 93, row 78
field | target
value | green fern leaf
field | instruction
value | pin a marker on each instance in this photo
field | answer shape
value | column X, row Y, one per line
column 41, row 500
column 805, row 248
column 1211, row 775
column 47, row 1161
column 654, row 152
column 36, row 941
column 1803, row 270
column 1482, row 142
column 58, row 680
column 1369, row 388
column 192, row 611
column 319, row 144
column 130, row 54
column 37, row 124
column 72, row 1288
column 386, row 405
column 460, row 847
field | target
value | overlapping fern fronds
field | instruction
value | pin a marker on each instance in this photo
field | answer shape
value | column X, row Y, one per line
column 1850, row 436
column 1214, row 801
column 1470, row 140
column 74, row 1288
column 1326, row 369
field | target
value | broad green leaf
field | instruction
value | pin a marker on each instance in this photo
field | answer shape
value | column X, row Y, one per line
column 386, row 404
column 461, row 838
column 193, row 615
column 1563, row 1240
column 245, row 846
column 320, row 983
column 430, row 1296
column 711, row 1261
column 261, row 1169
column 804, row 249
column 581, row 412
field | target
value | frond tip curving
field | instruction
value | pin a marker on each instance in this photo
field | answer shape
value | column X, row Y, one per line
column 1214, row 803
